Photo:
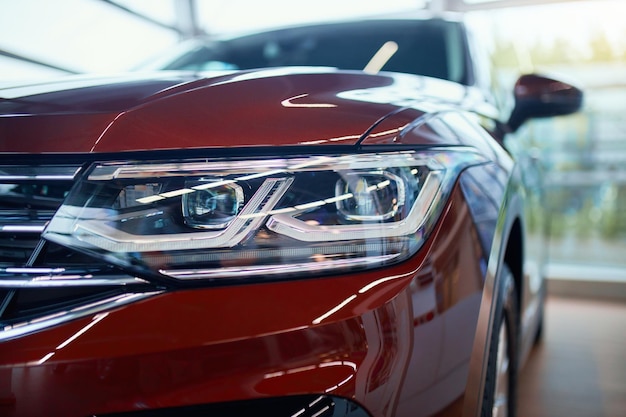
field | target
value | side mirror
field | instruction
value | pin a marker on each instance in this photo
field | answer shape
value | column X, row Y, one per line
column 537, row 96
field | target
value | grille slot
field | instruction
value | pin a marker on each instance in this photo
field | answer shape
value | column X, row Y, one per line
column 29, row 197
column 30, row 303
column 41, row 283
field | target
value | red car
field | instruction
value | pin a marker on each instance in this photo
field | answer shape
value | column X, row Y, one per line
column 339, row 235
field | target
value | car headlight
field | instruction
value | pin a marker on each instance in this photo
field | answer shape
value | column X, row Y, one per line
column 245, row 218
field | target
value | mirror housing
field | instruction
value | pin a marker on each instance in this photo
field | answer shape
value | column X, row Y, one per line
column 537, row 96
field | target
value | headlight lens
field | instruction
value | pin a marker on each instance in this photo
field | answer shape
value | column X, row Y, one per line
column 211, row 205
column 232, row 218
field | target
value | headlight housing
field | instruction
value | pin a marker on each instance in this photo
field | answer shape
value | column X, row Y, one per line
column 258, row 217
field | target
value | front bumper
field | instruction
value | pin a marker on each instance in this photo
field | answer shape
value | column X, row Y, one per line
column 392, row 340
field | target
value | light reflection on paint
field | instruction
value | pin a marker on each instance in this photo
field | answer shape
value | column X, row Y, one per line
column 290, row 103
column 95, row 320
column 292, row 371
column 334, row 310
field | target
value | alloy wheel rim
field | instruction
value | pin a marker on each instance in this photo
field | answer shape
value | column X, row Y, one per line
column 501, row 392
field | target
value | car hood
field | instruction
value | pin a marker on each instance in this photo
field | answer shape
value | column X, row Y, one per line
column 272, row 107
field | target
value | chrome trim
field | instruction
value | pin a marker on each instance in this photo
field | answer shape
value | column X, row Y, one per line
column 239, row 272
column 22, row 228
column 39, row 173
column 60, row 277
column 22, row 329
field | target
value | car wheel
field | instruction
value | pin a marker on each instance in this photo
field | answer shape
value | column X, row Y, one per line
column 501, row 379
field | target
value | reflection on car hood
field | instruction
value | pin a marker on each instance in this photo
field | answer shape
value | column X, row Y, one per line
column 279, row 106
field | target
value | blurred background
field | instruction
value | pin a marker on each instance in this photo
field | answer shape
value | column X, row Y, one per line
column 581, row 41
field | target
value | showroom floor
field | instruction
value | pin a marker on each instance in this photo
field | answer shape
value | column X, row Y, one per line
column 579, row 369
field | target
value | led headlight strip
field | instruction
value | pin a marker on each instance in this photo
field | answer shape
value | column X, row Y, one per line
column 289, row 225
column 233, row 218
column 101, row 234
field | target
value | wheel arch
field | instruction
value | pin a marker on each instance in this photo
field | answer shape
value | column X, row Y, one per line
column 507, row 248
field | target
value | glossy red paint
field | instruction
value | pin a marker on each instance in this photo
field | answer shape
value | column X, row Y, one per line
column 280, row 112
column 52, row 133
column 399, row 341
column 285, row 108
column 412, row 338
column 408, row 339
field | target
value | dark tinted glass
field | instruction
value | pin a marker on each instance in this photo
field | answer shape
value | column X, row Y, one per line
column 426, row 47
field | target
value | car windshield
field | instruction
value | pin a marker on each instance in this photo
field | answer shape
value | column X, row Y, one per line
column 432, row 47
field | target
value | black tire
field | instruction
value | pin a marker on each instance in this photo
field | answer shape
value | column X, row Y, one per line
column 539, row 332
column 540, row 324
column 499, row 396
